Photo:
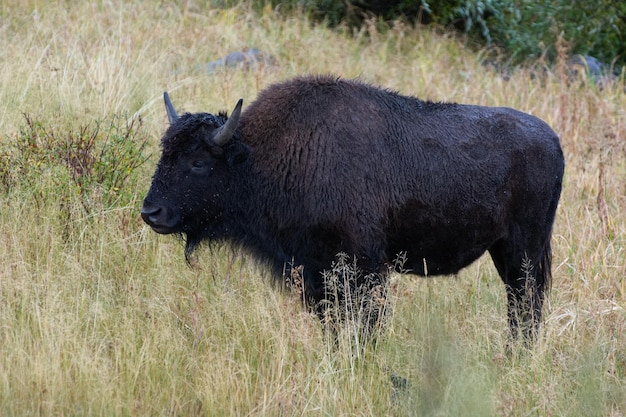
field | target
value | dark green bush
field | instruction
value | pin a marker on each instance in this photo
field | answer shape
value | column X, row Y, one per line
column 94, row 163
column 526, row 29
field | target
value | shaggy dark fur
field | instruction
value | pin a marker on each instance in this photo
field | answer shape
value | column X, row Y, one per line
column 320, row 165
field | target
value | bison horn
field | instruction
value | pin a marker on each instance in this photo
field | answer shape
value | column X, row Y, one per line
column 225, row 132
column 172, row 116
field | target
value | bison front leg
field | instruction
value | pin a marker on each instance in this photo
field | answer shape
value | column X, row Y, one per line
column 355, row 297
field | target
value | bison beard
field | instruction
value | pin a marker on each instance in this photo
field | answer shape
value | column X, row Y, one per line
column 317, row 166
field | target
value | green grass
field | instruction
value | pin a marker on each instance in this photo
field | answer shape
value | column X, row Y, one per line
column 110, row 320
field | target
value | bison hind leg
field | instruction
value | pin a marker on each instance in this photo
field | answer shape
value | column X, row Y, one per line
column 526, row 272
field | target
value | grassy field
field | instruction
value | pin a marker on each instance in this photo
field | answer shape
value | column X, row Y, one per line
column 101, row 316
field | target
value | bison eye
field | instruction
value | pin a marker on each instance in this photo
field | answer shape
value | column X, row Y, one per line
column 199, row 166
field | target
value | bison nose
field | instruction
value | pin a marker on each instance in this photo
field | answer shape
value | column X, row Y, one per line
column 156, row 217
column 150, row 214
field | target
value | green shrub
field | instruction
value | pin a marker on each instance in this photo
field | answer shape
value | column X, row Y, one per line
column 94, row 163
column 527, row 29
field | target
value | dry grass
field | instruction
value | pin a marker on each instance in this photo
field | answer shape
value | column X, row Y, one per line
column 113, row 322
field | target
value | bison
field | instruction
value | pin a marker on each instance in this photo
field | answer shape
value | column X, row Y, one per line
column 319, row 165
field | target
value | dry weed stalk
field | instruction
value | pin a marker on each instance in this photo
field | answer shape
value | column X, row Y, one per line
column 603, row 210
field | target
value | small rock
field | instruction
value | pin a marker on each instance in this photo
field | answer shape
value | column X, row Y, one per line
column 248, row 59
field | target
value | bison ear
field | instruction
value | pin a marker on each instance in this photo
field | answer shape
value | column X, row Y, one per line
column 237, row 152
column 172, row 116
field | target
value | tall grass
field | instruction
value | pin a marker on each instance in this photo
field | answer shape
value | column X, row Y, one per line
column 111, row 320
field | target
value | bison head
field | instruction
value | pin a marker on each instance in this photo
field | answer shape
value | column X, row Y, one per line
column 190, row 188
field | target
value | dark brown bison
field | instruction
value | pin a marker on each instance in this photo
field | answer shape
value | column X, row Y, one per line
column 318, row 165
